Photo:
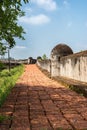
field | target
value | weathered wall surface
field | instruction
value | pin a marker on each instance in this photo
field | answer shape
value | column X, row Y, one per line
column 74, row 66
column 44, row 64
column 55, row 68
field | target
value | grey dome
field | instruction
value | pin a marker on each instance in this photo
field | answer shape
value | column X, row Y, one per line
column 61, row 50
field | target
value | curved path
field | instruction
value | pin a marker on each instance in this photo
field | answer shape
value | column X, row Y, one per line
column 39, row 103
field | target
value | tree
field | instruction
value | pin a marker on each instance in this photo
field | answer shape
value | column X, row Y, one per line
column 39, row 58
column 2, row 50
column 44, row 57
column 10, row 10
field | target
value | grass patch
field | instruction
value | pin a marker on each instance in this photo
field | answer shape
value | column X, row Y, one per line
column 8, row 80
column 4, row 118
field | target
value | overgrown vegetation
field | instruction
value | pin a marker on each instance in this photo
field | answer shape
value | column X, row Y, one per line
column 8, row 80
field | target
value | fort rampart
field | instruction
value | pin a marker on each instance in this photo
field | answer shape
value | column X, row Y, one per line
column 64, row 63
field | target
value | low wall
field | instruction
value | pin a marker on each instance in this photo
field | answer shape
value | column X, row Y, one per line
column 44, row 64
column 55, row 68
column 74, row 66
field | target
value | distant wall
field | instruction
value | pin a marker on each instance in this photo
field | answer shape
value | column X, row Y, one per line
column 44, row 64
column 31, row 61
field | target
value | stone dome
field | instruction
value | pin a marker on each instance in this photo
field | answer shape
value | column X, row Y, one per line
column 61, row 50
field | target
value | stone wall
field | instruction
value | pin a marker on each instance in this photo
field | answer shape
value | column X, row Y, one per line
column 72, row 66
column 44, row 64
column 55, row 68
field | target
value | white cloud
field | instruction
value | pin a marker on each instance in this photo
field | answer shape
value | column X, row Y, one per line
column 35, row 20
column 20, row 47
column 46, row 4
column 28, row 10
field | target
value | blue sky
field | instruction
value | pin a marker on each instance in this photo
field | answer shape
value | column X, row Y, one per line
column 50, row 22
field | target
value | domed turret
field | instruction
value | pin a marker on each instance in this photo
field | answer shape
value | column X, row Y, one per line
column 61, row 50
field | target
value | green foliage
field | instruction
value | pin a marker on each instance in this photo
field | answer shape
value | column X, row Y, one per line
column 8, row 80
column 44, row 57
column 10, row 10
column 39, row 58
column 4, row 118
column 2, row 49
column 2, row 66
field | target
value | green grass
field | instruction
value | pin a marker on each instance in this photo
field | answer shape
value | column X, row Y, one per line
column 8, row 80
column 4, row 118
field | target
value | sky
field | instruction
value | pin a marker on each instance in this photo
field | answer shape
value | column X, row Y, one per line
column 50, row 22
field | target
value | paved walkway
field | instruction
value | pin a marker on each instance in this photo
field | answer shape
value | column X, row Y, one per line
column 39, row 103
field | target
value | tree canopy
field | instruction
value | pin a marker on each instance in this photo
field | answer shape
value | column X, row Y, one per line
column 10, row 10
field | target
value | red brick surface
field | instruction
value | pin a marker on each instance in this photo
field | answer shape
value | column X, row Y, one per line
column 39, row 103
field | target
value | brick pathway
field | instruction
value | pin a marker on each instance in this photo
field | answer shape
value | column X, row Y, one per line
column 39, row 103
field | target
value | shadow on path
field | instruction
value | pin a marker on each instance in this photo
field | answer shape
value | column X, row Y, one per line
column 39, row 103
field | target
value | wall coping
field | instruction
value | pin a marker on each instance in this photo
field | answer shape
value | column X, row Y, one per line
column 75, row 55
column 47, row 60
